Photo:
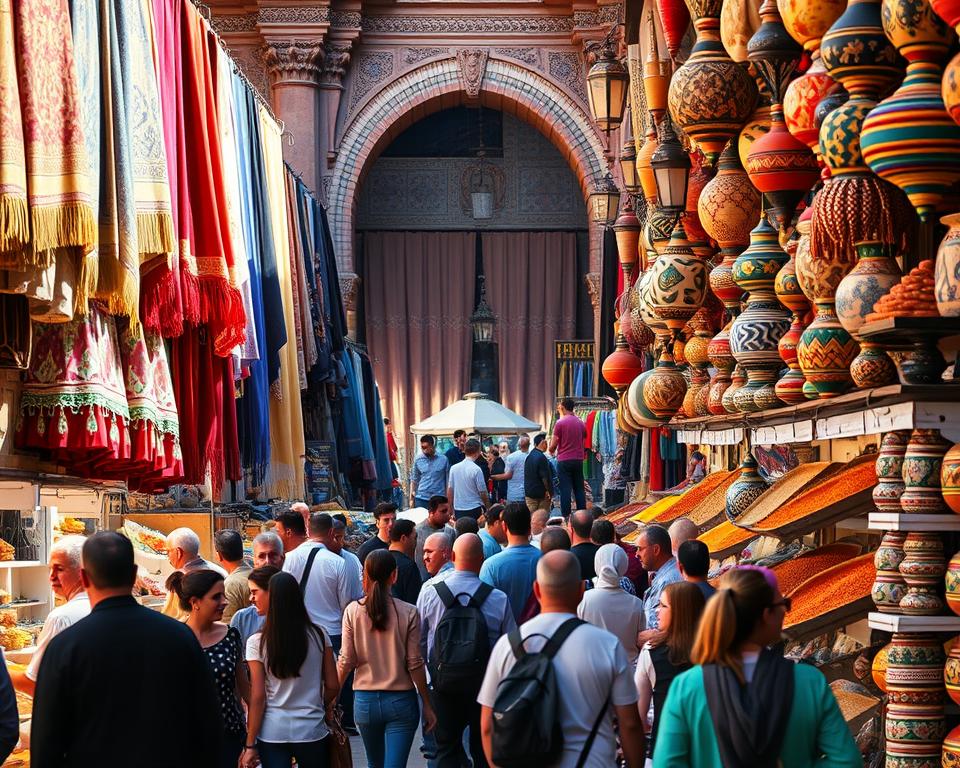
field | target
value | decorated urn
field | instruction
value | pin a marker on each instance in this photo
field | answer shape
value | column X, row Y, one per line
column 737, row 381
column 923, row 568
column 679, row 282
column 921, row 471
column 745, row 490
column 890, row 485
column 664, row 389
column 739, row 20
column 914, row 725
column 952, row 583
column 950, row 478
column 787, row 287
column 951, row 676
column 947, row 269
column 639, row 413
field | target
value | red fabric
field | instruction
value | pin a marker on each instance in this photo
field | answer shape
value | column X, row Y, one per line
column 392, row 447
column 221, row 304
column 656, row 463
column 588, row 439
column 620, row 280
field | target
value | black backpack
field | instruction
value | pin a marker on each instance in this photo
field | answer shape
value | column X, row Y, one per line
column 526, row 723
column 461, row 642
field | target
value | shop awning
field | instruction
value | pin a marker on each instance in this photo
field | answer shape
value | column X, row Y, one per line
column 477, row 414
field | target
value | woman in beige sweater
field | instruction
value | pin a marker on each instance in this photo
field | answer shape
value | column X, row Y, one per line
column 381, row 641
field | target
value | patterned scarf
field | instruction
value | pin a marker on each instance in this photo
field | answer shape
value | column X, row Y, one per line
column 14, row 214
column 57, row 169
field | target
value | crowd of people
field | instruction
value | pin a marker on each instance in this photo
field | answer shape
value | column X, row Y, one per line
column 515, row 638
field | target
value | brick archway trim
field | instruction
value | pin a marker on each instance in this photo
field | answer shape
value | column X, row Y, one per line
column 437, row 86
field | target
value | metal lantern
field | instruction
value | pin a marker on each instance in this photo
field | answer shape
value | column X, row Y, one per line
column 671, row 168
column 483, row 321
column 604, row 201
column 628, row 167
column 607, row 85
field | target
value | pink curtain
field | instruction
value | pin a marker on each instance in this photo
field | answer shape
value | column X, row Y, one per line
column 418, row 301
column 532, row 287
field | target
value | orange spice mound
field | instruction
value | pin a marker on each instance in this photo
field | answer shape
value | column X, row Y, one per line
column 842, row 485
column 793, row 573
column 690, row 499
column 832, row 589
column 725, row 535
column 912, row 297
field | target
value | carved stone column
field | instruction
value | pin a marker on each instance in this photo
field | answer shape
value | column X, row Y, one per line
column 349, row 290
column 336, row 58
column 294, row 66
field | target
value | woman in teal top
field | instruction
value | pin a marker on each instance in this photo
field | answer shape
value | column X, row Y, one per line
column 744, row 705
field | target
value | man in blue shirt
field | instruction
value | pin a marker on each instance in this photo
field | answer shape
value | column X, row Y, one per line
column 514, row 570
column 656, row 557
column 428, row 477
column 493, row 534
column 513, row 473
column 455, row 453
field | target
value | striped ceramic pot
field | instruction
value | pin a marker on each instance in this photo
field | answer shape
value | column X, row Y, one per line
column 826, row 351
column 888, row 590
column 889, row 488
column 890, row 553
column 921, row 471
column 950, row 478
column 914, row 674
column 923, row 567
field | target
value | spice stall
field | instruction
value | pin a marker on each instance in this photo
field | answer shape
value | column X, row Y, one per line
column 797, row 284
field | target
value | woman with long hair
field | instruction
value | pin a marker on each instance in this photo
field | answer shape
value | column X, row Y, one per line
column 248, row 621
column 202, row 597
column 744, row 705
column 668, row 654
column 293, row 682
column 381, row 641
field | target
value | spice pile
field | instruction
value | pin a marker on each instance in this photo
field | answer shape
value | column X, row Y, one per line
column 832, row 589
column 793, row 573
column 724, row 536
column 714, row 505
column 689, row 500
column 658, row 508
column 782, row 491
column 913, row 296
column 856, row 477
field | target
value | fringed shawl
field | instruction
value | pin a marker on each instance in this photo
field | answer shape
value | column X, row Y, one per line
column 14, row 213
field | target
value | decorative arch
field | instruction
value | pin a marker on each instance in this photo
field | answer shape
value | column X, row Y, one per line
column 436, row 86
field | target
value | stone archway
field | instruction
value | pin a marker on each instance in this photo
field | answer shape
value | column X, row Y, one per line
column 440, row 85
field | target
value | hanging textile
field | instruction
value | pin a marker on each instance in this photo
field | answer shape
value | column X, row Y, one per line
column 221, row 306
column 285, row 474
column 294, row 246
column 14, row 213
column 304, row 252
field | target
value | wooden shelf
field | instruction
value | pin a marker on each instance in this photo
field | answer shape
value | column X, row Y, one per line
column 25, row 604
column 852, row 506
column 891, row 622
column 861, row 412
column 894, row 521
column 906, row 330
column 22, row 564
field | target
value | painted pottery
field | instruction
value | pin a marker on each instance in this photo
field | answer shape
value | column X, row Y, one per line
column 888, row 590
column 789, row 387
column 952, row 584
column 664, row 390
column 639, row 413
column 826, row 351
column 757, row 125
column 947, row 270
column 739, row 20
column 950, row 757
column 820, row 274
column 679, row 282
column 914, row 674
column 913, row 736
column 890, row 485
column 745, row 490
column 950, row 88
column 626, row 230
column 711, row 96
column 700, row 176
column 921, row 365
column 729, row 205
column 737, row 381
column 621, row 366
column 923, row 568
column 890, row 553
column 756, row 332
column 808, row 22
column 875, row 274
column 674, row 20
column 878, row 669
column 800, row 103
column 661, row 224
column 922, row 464
column 950, row 478
column 872, row 367
column 908, row 138
column 951, row 673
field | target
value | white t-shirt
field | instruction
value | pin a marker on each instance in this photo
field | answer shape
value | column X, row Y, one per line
column 294, row 710
column 466, row 479
column 68, row 614
column 515, row 463
column 591, row 667
column 331, row 586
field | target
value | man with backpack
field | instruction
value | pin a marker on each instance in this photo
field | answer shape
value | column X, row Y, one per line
column 554, row 685
column 461, row 619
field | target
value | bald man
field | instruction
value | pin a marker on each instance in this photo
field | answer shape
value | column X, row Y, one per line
column 538, row 521
column 682, row 529
column 590, row 662
column 456, row 709
column 437, row 554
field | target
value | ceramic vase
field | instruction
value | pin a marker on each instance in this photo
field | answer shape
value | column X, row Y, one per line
column 914, row 674
column 888, row 590
column 739, row 20
column 826, row 351
column 950, row 756
column 875, row 273
column 755, row 334
column 745, row 490
column 951, row 673
column 679, row 282
column 878, row 669
column 952, row 584
column 908, row 138
column 718, row 350
column 922, row 464
column 674, row 20
column 757, row 125
column 737, row 381
column 664, row 390
column 922, row 568
column 621, row 366
column 639, row 413
column 889, row 488
column 787, row 287
column 800, row 102
column 947, row 269
column 890, row 553
column 808, row 22
column 950, row 478
column 710, row 94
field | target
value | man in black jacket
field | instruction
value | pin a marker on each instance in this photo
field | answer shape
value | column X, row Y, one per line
column 537, row 476
column 120, row 667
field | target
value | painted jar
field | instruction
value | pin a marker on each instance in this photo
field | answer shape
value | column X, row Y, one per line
column 921, row 472
column 923, row 567
column 889, row 488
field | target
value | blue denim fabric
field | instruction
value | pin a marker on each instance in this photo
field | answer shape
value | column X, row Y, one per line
column 308, row 754
column 388, row 722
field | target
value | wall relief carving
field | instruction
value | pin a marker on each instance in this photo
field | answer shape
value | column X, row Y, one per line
column 412, row 56
column 468, row 24
column 567, row 68
column 293, row 59
column 336, row 56
column 528, row 56
column 372, row 67
column 473, row 65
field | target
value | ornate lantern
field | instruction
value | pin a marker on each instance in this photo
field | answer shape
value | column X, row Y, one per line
column 607, row 84
column 628, row 167
column 604, row 201
column 671, row 168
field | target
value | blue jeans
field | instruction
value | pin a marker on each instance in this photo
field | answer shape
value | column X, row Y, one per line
column 387, row 721
column 571, row 479
column 308, row 754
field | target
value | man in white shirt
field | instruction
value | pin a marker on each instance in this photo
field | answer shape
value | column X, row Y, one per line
column 65, row 558
column 328, row 588
column 467, row 490
column 183, row 552
column 513, row 470
column 591, row 663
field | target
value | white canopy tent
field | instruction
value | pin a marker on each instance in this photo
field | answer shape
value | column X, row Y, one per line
column 477, row 414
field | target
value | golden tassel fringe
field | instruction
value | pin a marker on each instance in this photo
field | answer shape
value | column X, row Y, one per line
column 155, row 233
column 89, row 273
column 63, row 226
column 14, row 224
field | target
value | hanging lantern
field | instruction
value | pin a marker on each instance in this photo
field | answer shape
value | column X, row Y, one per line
column 627, row 229
column 711, row 96
column 908, row 138
column 671, row 168
column 604, row 201
column 621, row 366
column 607, row 84
column 628, row 167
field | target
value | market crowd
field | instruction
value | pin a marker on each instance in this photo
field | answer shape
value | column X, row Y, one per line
column 498, row 634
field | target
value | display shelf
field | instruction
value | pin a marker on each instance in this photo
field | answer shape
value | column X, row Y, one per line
column 852, row 506
column 905, row 330
column 24, row 604
column 892, row 622
column 861, row 412
column 894, row 521
column 22, row 564
column 839, row 617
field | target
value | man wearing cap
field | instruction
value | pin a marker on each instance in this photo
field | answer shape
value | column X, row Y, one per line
column 537, row 478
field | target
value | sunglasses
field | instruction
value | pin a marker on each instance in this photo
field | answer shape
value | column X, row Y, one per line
column 787, row 604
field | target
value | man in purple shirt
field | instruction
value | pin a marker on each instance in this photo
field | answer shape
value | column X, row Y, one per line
column 569, row 437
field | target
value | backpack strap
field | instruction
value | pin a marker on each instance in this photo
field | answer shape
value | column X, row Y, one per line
column 593, row 735
column 307, row 568
column 481, row 595
column 516, row 643
column 562, row 633
column 446, row 596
